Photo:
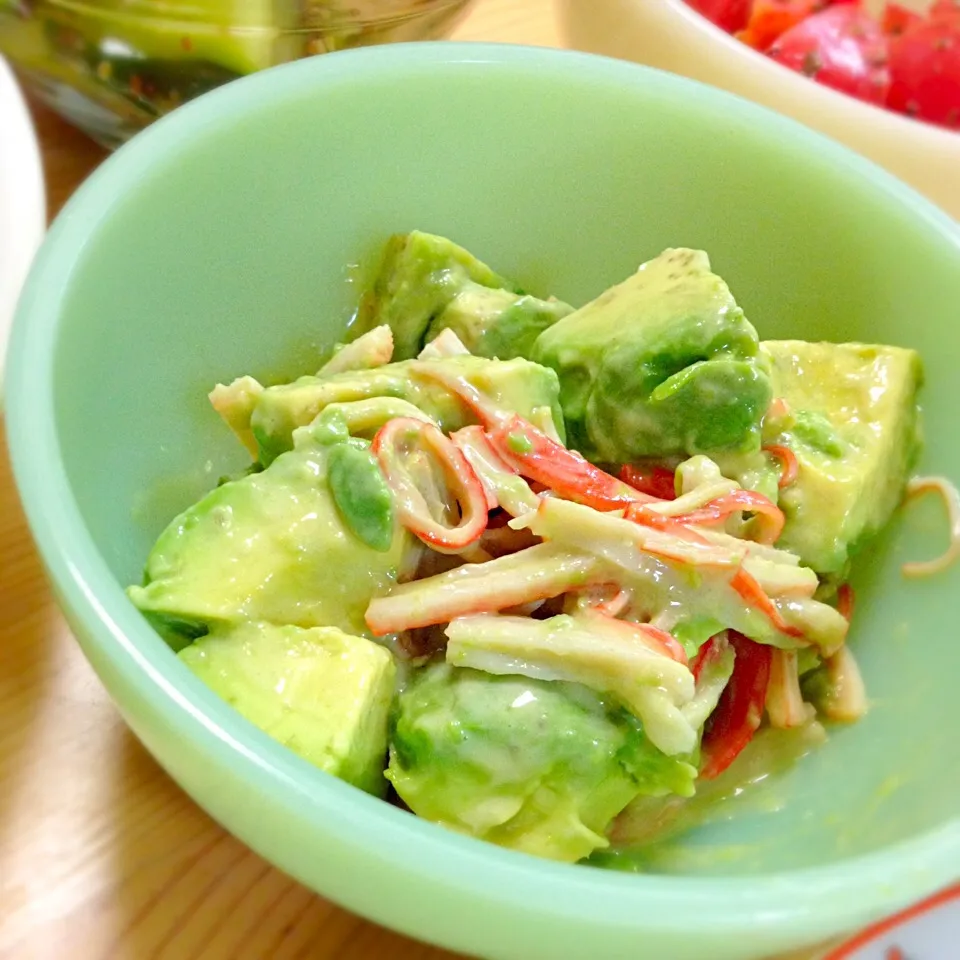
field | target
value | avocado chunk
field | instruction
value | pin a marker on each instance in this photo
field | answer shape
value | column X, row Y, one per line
column 321, row 692
column 497, row 323
column 515, row 385
column 537, row 766
column 596, row 651
column 852, row 422
column 664, row 363
column 420, row 275
column 271, row 546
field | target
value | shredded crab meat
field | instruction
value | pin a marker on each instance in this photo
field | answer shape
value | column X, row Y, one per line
column 789, row 465
column 709, row 504
column 235, row 403
column 785, row 706
column 700, row 496
column 445, row 344
column 951, row 500
column 615, row 605
column 847, row 702
column 501, row 483
column 609, row 598
column 413, row 454
column 373, row 349
column 537, row 573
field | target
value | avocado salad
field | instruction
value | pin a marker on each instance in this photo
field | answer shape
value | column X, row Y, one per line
column 538, row 571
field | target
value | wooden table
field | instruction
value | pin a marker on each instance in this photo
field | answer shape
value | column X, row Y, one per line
column 101, row 854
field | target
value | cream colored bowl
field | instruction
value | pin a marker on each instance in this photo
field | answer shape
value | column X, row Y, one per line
column 669, row 35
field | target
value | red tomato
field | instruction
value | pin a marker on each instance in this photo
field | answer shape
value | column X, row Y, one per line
column 944, row 9
column 740, row 710
column 656, row 481
column 898, row 19
column 841, row 47
column 925, row 71
column 771, row 18
column 729, row 15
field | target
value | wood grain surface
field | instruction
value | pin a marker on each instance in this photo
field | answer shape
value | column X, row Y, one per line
column 101, row 854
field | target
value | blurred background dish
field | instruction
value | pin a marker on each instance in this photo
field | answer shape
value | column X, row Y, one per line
column 22, row 200
column 671, row 35
column 923, row 930
column 903, row 58
column 114, row 66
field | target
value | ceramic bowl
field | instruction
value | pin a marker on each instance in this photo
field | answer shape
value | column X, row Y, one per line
column 216, row 244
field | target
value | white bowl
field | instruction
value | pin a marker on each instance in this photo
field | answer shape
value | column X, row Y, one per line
column 670, row 35
column 23, row 207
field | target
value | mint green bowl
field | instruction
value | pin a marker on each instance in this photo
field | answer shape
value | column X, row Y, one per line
column 215, row 244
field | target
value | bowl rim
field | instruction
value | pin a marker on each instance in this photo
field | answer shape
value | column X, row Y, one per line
column 826, row 899
column 896, row 124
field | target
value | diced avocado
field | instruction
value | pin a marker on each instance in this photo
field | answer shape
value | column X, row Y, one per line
column 537, row 766
column 497, row 323
column 362, row 495
column 420, row 275
column 664, row 363
column 321, row 692
column 515, row 385
column 270, row 547
column 853, row 426
column 601, row 653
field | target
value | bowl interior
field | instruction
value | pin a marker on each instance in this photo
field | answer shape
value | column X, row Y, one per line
column 220, row 243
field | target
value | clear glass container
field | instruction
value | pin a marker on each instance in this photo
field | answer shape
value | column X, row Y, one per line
column 113, row 66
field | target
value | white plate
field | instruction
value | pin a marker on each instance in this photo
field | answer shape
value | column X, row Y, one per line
column 23, row 206
column 928, row 931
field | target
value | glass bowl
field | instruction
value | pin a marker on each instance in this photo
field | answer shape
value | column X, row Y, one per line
column 114, row 66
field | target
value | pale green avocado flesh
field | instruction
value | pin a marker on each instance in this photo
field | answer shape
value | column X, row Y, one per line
column 497, row 323
column 421, row 274
column 538, row 766
column 664, row 363
column 270, row 547
column 853, row 425
column 321, row 692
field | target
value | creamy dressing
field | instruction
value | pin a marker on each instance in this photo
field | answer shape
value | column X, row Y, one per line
column 644, row 835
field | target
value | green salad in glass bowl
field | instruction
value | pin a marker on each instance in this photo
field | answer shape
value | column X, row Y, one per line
column 114, row 66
